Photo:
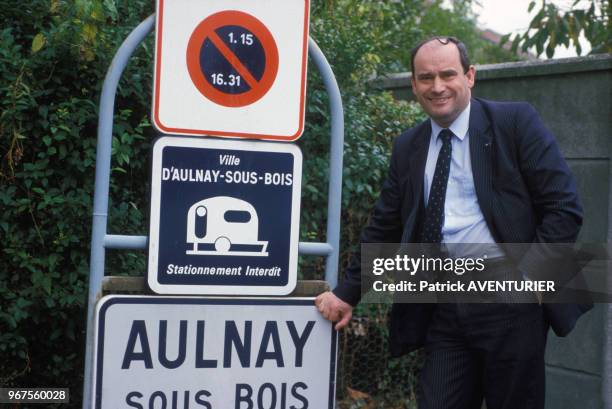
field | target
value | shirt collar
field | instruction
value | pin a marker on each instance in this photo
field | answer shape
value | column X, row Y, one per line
column 459, row 126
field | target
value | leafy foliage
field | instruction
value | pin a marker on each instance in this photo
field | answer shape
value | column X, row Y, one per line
column 551, row 26
column 53, row 58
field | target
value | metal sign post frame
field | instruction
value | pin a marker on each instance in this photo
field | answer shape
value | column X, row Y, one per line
column 101, row 240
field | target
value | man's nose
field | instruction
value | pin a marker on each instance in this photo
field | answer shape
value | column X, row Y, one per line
column 438, row 84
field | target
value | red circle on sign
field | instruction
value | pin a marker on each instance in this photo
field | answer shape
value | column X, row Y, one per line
column 206, row 30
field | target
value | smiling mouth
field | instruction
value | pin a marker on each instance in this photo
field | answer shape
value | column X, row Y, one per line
column 439, row 100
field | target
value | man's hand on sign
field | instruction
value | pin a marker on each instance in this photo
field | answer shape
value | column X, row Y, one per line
column 334, row 309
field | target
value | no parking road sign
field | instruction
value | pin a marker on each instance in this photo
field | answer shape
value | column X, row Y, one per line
column 224, row 217
column 231, row 68
column 232, row 65
column 191, row 352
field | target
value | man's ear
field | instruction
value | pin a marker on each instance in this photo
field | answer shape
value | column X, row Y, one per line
column 471, row 76
column 413, row 83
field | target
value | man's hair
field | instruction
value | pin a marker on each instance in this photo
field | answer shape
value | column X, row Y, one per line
column 463, row 54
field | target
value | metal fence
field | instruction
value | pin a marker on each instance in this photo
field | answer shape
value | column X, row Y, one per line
column 368, row 377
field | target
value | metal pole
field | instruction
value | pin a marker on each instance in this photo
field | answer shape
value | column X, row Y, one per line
column 117, row 241
column 334, row 198
column 100, row 209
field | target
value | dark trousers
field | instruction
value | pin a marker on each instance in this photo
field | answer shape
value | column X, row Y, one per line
column 493, row 352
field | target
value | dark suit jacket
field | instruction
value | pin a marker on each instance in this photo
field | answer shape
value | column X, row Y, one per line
column 525, row 191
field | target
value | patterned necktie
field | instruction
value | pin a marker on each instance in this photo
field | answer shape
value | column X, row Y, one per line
column 434, row 214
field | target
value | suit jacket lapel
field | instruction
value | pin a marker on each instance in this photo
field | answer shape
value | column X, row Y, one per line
column 481, row 138
column 417, row 157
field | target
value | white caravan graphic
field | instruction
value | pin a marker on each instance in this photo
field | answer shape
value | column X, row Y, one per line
column 224, row 226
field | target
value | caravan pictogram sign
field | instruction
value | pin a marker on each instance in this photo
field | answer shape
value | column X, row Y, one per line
column 224, row 217
column 231, row 68
column 232, row 58
column 224, row 223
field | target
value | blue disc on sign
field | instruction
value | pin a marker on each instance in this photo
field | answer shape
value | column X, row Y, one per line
column 219, row 72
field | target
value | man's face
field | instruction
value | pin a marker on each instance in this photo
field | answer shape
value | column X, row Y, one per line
column 439, row 83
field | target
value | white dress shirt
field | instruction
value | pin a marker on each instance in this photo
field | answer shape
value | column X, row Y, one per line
column 463, row 219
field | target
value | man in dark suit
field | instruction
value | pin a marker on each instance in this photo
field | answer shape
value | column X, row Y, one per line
column 476, row 172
